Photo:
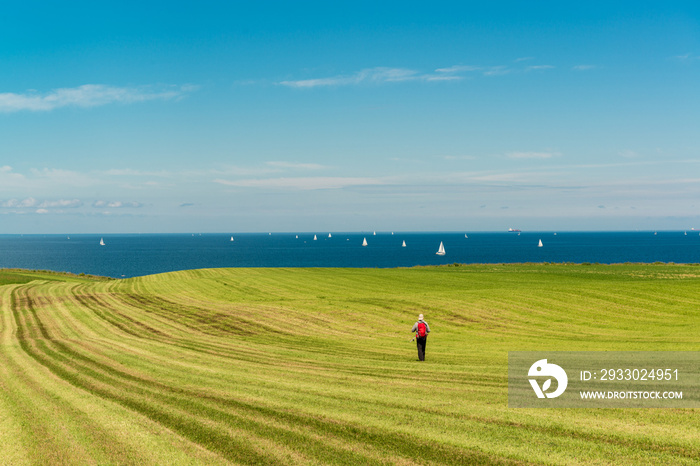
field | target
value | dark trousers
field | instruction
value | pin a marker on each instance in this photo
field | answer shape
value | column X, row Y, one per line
column 421, row 341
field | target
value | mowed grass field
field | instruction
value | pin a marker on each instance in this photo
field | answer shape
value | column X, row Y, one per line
column 314, row 366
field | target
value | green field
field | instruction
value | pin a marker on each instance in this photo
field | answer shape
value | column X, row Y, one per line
column 314, row 366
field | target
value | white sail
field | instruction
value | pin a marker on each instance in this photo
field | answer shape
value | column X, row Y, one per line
column 539, row 245
column 232, row 238
column 441, row 250
column 329, row 235
column 403, row 245
column 102, row 242
column 314, row 237
column 465, row 235
column 364, row 241
column 374, row 234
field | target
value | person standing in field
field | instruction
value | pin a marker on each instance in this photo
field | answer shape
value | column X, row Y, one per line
column 422, row 330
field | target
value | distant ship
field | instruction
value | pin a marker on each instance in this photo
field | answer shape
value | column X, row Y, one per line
column 403, row 245
column 102, row 242
column 364, row 241
column 540, row 244
column 441, row 250
column 513, row 231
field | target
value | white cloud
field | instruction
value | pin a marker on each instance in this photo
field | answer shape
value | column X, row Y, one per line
column 31, row 202
column 42, row 211
column 381, row 75
column 539, row 67
column 583, row 67
column 372, row 75
column 687, row 57
column 63, row 177
column 451, row 71
column 497, row 71
column 87, row 95
column 64, row 203
column 16, row 203
column 443, row 78
column 8, row 178
column 628, row 154
column 116, row 204
column 459, row 69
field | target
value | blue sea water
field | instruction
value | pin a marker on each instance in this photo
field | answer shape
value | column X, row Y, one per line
column 128, row 255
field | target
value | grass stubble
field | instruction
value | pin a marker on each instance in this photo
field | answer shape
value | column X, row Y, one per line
column 314, row 366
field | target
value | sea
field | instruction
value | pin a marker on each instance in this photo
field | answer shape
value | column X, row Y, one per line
column 130, row 255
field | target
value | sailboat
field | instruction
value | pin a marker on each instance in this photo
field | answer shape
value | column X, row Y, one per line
column 540, row 244
column 374, row 234
column 314, row 237
column 232, row 238
column 403, row 245
column 102, row 242
column 364, row 241
column 329, row 235
column 441, row 250
column 465, row 235
column 297, row 236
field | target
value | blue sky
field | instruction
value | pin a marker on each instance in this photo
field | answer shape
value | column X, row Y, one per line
column 327, row 116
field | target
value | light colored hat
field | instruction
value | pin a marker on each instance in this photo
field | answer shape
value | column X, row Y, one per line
column 420, row 316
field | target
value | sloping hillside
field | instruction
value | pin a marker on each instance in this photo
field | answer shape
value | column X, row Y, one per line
column 282, row 366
